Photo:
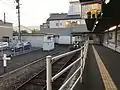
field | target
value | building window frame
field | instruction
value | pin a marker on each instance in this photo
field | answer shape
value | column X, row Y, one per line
column 57, row 24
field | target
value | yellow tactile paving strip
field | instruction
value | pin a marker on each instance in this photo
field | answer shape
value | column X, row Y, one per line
column 107, row 80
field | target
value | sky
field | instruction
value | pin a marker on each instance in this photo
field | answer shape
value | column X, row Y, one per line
column 33, row 12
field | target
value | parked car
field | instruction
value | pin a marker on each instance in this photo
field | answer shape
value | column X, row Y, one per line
column 27, row 45
column 20, row 46
column 17, row 47
column 4, row 45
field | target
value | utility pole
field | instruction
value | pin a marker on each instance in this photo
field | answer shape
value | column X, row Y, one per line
column 4, row 18
column 18, row 8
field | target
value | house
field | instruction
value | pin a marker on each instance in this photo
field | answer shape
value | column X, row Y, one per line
column 65, row 20
column 6, row 31
column 63, row 24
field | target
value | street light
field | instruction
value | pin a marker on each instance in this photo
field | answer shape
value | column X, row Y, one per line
column 67, row 23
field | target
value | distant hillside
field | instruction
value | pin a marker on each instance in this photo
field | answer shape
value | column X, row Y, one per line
column 28, row 28
column 34, row 27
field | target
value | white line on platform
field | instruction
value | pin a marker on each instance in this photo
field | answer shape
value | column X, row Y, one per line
column 107, row 79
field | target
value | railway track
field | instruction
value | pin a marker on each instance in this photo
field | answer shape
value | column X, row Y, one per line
column 38, row 81
column 15, row 79
column 21, row 60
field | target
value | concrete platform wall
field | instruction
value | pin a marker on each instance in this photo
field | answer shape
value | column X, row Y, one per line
column 36, row 41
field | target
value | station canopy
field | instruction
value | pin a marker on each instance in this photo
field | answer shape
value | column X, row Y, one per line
column 109, row 18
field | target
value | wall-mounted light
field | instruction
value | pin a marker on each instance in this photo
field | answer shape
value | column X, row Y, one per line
column 112, row 28
column 78, row 22
column 66, row 23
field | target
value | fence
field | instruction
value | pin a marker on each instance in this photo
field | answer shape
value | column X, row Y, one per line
column 80, row 69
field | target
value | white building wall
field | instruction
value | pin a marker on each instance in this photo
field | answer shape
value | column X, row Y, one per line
column 56, row 24
column 62, row 23
column 64, row 40
column 74, row 8
column 82, row 21
column 6, row 31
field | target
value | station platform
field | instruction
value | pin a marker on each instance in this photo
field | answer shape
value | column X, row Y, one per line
column 101, row 70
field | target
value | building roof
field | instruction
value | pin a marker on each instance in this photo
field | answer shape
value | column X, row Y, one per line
column 73, row 17
column 5, row 23
column 63, row 16
column 57, row 31
column 74, row 1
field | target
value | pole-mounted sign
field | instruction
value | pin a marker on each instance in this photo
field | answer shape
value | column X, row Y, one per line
column 5, row 58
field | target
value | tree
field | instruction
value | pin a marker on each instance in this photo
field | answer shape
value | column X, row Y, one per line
column 24, row 32
column 35, row 31
column 15, row 33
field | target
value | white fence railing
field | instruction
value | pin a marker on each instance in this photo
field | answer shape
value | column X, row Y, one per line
column 80, row 69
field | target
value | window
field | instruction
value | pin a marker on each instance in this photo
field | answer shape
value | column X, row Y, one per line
column 118, row 36
column 57, row 24
column 61, row 24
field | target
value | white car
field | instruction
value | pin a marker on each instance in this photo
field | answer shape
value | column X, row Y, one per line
column 23, row 45
column 17, row 47
column 27, row 45
column 4, row 45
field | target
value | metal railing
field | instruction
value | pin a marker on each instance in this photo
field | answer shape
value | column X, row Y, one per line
column 80, row 69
